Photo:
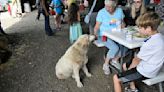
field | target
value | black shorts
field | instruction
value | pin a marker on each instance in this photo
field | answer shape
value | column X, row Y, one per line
column 130, row 75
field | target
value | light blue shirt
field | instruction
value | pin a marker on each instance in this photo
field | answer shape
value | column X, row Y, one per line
column 108, row 21
column 57, row 4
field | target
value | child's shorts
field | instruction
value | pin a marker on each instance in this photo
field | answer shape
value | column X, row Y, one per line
column 59, row 10
column 130, row 75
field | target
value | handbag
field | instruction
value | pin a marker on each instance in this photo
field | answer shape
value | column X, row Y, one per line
column 52, row 12
column 87, row 17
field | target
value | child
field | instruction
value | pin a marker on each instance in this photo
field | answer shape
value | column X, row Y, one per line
column 150, row 58
column 58, row 8
column 74, row 21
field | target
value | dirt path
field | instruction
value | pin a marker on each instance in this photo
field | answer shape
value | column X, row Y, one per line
column 32, row 65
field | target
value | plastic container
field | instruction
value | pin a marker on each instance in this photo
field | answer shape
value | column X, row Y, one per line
column 104, row 38
column 129, row 36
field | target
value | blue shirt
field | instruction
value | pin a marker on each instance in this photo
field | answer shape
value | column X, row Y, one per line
column 108, row 21
column 58, row 6
column 57, row 2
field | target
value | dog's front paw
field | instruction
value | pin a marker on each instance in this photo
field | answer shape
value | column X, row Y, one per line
column 88, row 74
column 80, row 85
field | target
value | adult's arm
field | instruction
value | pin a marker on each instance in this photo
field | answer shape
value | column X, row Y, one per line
column 96, row 28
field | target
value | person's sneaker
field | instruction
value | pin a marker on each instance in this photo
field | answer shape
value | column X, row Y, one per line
column 50, row 34
column 116, row 64
column 134, row 90
column 127, row 89
column 106, row 69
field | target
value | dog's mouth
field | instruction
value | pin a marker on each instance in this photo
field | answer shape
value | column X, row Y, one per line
column 91, row 38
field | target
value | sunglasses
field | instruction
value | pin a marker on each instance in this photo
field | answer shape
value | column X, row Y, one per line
column 137, row 1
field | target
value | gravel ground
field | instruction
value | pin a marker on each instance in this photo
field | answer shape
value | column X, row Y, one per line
column 32, row 65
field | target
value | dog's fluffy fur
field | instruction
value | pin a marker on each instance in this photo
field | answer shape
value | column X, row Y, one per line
column 74, row 59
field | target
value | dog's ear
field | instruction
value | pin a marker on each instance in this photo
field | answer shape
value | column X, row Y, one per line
column 82, row 44
column 86, row 42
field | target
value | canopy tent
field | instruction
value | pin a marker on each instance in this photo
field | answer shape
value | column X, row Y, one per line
column 3, row 2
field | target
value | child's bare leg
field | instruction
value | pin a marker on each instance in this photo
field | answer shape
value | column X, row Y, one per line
column 116, row 58
column 117, row 84
column 107, row 60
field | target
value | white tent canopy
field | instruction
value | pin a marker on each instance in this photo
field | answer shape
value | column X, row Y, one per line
column 3, row 2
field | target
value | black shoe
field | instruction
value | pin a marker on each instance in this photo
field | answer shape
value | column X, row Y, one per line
column 63, row 22
column 49, row 34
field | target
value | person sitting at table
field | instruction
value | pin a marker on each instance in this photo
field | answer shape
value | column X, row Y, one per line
column 150, row 59
column 108, row 18
column 131, row 14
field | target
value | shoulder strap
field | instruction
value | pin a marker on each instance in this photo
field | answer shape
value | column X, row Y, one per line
column 37, row 1
column 93, row 5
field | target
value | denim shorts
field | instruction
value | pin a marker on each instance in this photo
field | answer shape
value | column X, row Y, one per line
column 130, row 75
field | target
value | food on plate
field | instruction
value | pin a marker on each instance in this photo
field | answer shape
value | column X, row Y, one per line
column 132, row 28
column 140, row 35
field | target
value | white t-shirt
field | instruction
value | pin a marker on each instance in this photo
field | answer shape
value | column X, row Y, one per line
column 152, row 56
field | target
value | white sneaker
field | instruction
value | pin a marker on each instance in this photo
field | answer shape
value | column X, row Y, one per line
column 106, row 69
column 116, row 64
column 131, row 90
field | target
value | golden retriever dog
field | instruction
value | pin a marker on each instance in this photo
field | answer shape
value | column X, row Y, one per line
column 74, row 59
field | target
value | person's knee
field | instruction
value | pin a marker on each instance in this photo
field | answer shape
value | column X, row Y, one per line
column 115, row 78
column 112, row 46
column 112, row 52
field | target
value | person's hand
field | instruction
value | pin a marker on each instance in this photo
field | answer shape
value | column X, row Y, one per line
column 95, row 33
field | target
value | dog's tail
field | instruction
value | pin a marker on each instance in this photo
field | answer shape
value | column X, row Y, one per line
column 61, row 76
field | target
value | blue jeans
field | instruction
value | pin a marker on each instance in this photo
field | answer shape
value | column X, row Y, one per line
column 113, row 49
column 47, row 24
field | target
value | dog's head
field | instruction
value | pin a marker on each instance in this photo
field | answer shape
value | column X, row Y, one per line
column 84, row 40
